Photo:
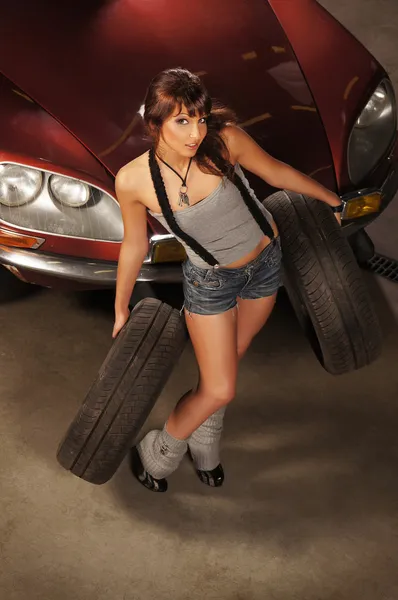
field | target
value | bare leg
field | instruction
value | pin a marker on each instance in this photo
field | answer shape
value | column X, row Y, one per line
column 214, row 338
column 219, row 342
column 252, row 316
column 204, row 442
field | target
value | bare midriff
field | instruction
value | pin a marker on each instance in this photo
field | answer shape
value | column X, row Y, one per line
column 254, row 253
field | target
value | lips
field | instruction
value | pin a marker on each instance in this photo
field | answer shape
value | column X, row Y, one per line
column 192, row 146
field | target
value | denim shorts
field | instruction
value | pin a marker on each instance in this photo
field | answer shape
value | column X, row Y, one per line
column 212, row 291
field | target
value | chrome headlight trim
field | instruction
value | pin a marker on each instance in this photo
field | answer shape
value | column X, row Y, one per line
column 373, row 132
column 109, row 230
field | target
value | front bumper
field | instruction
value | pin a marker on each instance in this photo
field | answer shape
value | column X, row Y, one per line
column 82, row 272
column 53, row 270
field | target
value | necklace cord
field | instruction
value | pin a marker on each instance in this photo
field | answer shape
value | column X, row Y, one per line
column 183, row 179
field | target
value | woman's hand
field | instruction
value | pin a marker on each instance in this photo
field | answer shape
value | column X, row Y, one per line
column 121, row 318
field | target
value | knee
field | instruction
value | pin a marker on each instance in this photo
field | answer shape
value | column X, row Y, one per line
column 221, row 394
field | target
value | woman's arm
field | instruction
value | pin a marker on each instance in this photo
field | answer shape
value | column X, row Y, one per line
column 244, row 150
column 134, row 246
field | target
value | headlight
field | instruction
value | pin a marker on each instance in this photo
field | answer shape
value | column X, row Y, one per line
column 46, row 202
column 18, row 185
column 372, row 133
column 69, row 191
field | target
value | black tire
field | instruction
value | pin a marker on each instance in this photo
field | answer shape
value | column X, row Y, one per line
column 128, row 384
column 325, row 284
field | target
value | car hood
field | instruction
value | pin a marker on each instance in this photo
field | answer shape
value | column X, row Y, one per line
column 89, row 65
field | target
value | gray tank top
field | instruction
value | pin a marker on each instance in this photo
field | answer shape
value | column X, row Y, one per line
column 221, row 223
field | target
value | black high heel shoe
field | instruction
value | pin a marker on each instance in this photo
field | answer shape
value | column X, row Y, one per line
column 139, row 472
column 213, row 478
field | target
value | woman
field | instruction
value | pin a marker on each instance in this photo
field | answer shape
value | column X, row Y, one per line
column 191, row 181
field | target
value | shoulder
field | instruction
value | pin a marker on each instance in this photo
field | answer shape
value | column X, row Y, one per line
column 243, row 149
column 132, row 179
column 234, row 137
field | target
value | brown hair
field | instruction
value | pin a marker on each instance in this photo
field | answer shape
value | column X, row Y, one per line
column 178, row 87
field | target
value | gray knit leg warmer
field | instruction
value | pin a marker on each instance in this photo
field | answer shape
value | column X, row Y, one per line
column 161, row 453
column 204, row 443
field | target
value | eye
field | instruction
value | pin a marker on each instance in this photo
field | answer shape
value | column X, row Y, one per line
column 182, row 121
column 203, row 120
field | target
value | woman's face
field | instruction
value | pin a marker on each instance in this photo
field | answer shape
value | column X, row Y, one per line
column 183, row 134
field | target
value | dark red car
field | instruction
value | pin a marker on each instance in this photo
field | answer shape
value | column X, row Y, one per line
column 72, row 87
column 74, row 77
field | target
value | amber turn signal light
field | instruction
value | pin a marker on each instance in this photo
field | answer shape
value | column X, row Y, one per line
column 18, row 240
column 363, row 205
column 168, row 251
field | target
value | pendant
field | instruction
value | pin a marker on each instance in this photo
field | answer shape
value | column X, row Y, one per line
column 183, row 196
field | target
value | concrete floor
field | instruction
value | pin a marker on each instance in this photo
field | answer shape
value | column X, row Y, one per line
column 309, row 508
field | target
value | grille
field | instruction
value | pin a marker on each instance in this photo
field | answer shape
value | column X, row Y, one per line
column 383, row 266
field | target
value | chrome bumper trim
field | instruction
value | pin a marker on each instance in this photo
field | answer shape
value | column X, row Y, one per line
column 85, row 271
